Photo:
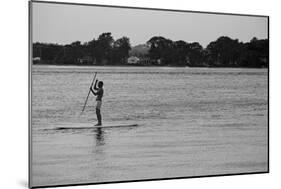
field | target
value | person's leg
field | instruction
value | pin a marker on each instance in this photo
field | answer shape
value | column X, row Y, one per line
column 98, row 116
column 98, row 108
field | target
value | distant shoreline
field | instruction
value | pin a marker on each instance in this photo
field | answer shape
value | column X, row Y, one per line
column 146, row 66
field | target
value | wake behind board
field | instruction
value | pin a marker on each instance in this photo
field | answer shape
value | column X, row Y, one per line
column 94, row 127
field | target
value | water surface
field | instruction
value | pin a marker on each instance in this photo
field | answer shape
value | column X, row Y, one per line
column 192, row 122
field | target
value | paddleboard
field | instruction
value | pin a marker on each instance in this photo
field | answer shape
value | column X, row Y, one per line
column 95, row 127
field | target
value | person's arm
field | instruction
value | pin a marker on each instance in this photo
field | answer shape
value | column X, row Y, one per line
column 95, row 86
column 91, row 88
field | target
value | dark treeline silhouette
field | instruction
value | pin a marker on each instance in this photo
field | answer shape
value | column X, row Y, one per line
column 102, row 51
column 224, row 52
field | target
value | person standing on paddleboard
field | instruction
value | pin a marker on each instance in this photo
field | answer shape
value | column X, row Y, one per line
column 99, row 94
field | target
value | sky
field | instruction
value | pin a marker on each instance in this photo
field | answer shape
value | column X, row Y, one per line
column 64, row 24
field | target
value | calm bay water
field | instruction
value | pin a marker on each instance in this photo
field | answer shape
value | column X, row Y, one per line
column 192, row 122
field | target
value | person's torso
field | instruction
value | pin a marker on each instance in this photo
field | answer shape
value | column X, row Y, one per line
column 99, row 94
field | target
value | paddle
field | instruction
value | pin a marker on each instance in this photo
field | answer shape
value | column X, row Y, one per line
column 89, row 93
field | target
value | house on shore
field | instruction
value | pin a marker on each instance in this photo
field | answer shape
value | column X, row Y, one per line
column 143, row 61
column 133, row 60
column 36, row 60
column 86, row 60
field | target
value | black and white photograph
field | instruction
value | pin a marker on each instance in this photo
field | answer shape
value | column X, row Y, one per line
column 121, row 94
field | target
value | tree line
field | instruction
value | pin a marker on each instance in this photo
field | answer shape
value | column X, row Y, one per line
column 224, row 52
column 102, row 51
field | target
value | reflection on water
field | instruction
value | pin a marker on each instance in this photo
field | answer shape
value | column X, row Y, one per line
column 191, row 122
column 99, row 135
